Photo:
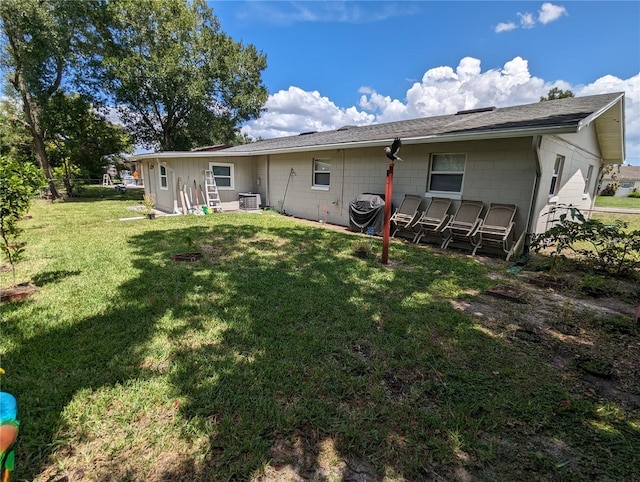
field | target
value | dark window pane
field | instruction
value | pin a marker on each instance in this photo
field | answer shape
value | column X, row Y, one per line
column 322, row 179
column 446, row 182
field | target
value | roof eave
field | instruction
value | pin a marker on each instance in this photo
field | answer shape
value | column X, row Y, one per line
column 432, row 139
column 594, row 115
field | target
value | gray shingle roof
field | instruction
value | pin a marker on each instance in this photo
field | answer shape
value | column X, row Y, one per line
column 563, row 115
column 625, row 173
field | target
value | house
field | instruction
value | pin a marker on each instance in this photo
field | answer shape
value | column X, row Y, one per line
column 627, row 178
column 536, row 156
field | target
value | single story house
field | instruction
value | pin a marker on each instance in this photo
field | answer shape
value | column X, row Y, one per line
column 627, row 178
column 536, row 156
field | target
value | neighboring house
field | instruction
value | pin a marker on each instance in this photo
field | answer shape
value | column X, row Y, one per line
column 627, row 177
column 536, row 156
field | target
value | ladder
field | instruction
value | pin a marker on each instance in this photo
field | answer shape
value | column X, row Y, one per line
column 211, row 191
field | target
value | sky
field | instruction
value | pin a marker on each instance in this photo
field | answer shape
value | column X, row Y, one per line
column 331, row 64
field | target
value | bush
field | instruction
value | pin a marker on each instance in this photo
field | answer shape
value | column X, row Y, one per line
column 20, row 182
column 610, row 190
column 602, row 247
column 634, row 193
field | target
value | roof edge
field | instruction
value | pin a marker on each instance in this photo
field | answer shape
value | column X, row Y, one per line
column 594, row 115
column 453, row 137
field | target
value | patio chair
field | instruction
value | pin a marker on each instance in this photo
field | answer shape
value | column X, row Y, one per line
column 433, row 219
column 497, row 229
column 463, row 224
column 406, row 213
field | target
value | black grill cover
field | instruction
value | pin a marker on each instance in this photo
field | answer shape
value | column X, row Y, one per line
column 367, row 210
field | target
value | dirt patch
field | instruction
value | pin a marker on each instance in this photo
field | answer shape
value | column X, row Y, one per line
column 17, row 292
column 595, row 341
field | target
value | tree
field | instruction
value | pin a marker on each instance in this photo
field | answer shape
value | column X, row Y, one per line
column 83, row 140
column 178, row 80
column 19, row 183
column 38, row 43
column 15, row 140
column 557, row 93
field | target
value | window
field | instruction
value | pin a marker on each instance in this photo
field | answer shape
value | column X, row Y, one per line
column 587, row 180
column 223, row 174
column 556, row 176
column 164, row 181
column 321, row 173
column 446, row 172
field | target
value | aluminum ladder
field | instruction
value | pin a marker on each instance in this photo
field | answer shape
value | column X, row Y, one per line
column 211, row 192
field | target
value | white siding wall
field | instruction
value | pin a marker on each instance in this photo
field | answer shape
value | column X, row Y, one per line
column 580, row 151
column 496, row 171
column 190, row 169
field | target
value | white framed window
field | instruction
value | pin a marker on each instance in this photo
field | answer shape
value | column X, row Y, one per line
column 556, row 175
column 223, row 174
column 164, row 178
column 446, row 173
column 321, row 173
column 587, row 180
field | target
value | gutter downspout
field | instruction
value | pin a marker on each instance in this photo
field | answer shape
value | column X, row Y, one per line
column 536, row 142
column 267, row 195
column 342, row 189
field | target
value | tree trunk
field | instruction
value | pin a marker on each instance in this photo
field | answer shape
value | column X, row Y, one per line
column 67, row 179
column 31, row 112
column 43, row 161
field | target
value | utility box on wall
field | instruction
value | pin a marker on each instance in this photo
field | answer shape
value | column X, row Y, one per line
column 249, row 201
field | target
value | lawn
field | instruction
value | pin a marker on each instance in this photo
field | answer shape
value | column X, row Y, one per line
column 618, row 202
column 281, row 356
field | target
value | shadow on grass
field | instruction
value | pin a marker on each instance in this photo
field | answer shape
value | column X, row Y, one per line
column 292, row 356
column 48, row 277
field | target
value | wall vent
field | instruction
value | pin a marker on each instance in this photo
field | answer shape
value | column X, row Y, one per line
column 475, row 111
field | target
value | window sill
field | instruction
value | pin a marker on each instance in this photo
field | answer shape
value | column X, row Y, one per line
column 447, row 195
column 553, row 199
column 320, row 188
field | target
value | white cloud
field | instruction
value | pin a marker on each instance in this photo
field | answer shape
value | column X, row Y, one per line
column 526, row 20
column 550, row 12
column 291, row 111
column 442, row 90
column 505, row 27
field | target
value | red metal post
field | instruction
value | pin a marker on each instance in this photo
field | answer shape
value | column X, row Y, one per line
column 388, row 193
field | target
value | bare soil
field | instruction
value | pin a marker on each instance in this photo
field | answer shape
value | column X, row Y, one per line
column 592, row 339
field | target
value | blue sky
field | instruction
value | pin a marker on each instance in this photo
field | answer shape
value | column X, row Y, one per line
column 336, row 63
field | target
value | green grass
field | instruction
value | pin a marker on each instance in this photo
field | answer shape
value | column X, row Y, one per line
column 279, row 348
column 618, row 202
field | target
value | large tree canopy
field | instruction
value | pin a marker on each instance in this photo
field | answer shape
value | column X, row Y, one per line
column 81, row 139
column 177, row 79
column 38, row 40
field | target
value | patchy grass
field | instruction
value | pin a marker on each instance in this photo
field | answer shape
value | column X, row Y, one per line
column 281, row 356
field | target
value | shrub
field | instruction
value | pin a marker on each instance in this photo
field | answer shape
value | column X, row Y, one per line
column 20, row 182
column 634, row 193
column 610, row 190
column 602, row 247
